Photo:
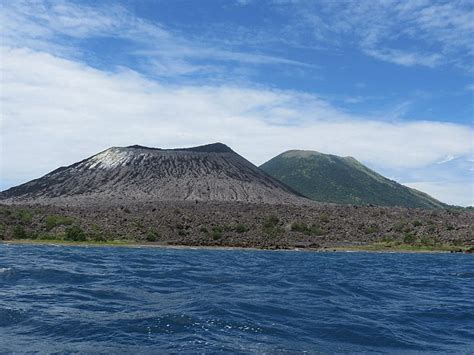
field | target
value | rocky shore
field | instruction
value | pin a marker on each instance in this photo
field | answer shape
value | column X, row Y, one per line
column 246, row 225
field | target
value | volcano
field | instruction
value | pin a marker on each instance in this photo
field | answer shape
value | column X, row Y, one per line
column 342, row 180
column 212, row 172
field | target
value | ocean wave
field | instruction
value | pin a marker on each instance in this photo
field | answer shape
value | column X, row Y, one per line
column 176, row 300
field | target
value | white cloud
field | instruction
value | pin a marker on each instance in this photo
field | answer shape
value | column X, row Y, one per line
column 57, row 111
column 446, row 159
column 404, row 58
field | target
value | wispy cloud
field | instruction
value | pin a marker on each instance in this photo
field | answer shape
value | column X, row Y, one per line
column 447, row 159
column 405, row 58
column 59, row 27
column 408, row 33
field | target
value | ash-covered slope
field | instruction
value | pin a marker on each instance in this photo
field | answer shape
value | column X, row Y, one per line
column 131, row 174
column 330, row 178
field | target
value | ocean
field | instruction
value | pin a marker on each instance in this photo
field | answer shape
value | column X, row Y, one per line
column 155, row 300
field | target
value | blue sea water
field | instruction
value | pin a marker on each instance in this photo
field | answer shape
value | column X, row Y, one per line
column 119, row 300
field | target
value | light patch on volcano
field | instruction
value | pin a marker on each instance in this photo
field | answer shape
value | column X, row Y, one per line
column 111, row 158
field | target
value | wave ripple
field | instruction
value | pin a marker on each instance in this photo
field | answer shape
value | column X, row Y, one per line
column 105, row 299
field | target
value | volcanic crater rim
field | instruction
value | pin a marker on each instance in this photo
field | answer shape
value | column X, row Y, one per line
column 217, row 147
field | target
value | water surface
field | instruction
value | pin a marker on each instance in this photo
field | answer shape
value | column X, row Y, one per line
column 116, row 299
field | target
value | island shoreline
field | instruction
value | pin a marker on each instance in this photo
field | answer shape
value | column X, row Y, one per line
column 335, row 249
column 243, row 226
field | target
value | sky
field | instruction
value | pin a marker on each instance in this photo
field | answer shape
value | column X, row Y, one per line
column 390, row 83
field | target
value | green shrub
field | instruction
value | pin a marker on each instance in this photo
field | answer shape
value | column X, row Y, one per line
column 298, row 227
column 98, row 237
column 270, row 226
column 55, row 221
column 216, row 232
column 427, row 241
column 371, row 229
column 2, row 231
column 152, row 236
column 272, row 231
column 5, row 211
column 204, row 230
column 96, row 234
column 45, row 237
column 75, row 234
column 138, row 224
column 19, row 233
column 417, row 223
column 457, row 242
column 388, row 238
column 399, row 226
column 25, row 216
column 241, row 228
column 324, row 218
column 409, row 238
column 33, row 235
column 314, row 229
column 271, row 221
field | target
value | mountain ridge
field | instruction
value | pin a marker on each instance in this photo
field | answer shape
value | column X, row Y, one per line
column 334, row 179
column 217, row 147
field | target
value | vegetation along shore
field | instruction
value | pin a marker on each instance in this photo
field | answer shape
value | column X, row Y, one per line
column 243, row 225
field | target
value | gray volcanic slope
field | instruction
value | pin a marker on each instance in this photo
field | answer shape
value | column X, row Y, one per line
column 131, row 174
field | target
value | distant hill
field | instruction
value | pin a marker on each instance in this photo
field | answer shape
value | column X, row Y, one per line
column 330, row 178
column 212, row 172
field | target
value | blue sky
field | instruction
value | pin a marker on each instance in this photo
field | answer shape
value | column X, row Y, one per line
column 388, row 82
